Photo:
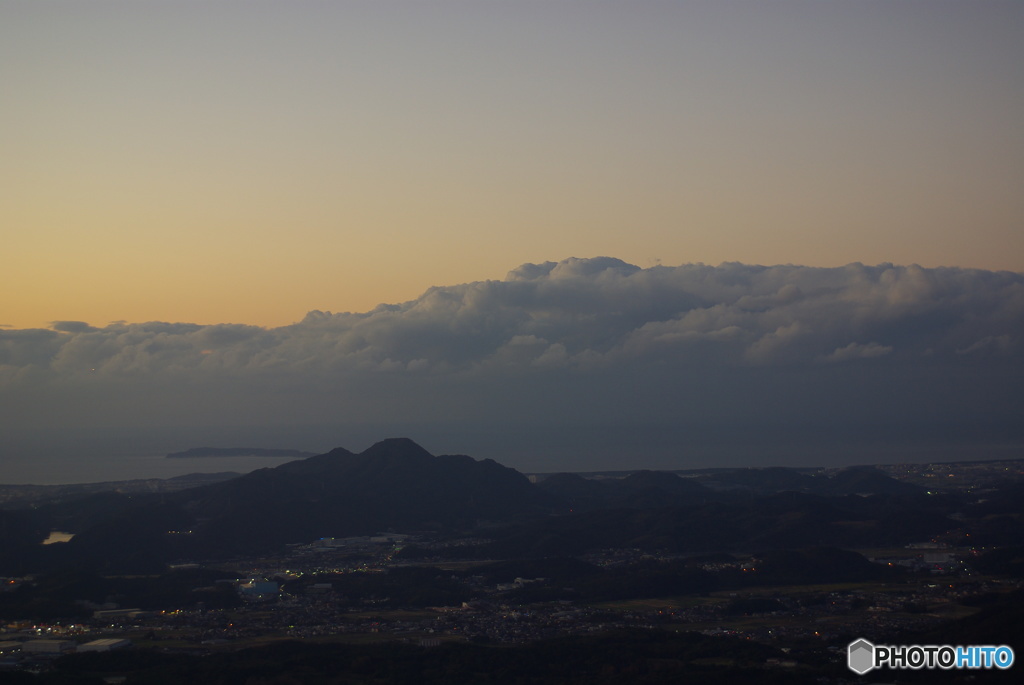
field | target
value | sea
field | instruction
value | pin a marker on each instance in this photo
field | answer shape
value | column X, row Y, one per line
column 65, row 469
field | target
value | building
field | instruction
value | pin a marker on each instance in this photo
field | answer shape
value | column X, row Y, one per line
column 48, row 647
column 104, row 645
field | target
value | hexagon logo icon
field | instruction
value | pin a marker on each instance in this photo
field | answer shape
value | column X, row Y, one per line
column 860, row 656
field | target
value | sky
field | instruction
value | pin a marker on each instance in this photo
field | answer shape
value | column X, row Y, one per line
column 292, row 222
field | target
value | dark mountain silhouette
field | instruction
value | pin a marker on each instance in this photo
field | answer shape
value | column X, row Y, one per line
column 397, row 485
column 848, row 481
column 393, row 485
column 657, row 489
column 766, row 480
column 639, row 490
column 572, row 485
column 865, row 480
column 20, row 538
column 644, row 482
column 785, row 520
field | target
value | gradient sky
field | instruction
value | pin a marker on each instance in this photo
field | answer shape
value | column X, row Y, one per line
column 241, row 170
column 248, row 162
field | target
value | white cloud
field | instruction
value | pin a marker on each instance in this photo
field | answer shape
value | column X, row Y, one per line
column 554, row 356
column 999, row 344
column 857, row 351
column 600, row 307
column 572, row 340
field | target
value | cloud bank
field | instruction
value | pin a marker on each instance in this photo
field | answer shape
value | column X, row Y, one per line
column 572, row 343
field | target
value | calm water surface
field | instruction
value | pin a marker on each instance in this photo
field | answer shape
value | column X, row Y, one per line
column 43, row 470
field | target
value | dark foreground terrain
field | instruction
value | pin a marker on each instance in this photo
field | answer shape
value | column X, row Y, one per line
column 395, row 566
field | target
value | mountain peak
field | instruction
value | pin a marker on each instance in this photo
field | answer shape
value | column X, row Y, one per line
column 396, row 447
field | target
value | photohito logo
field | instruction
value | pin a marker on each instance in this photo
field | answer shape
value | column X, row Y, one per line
column 862, row 656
